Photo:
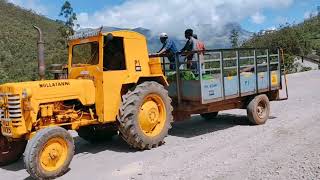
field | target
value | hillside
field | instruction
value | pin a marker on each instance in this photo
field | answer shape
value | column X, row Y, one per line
column 18, row 43
column 297, row 40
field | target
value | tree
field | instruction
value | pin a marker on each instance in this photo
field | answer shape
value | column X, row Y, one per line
column 67, row 28
column 234, row 38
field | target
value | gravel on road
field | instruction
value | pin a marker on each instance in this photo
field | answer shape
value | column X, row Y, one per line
column 286, row 147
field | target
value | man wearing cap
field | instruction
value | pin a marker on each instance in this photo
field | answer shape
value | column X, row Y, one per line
column 168, row 48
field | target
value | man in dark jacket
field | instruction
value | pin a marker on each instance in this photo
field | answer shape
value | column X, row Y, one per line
column 189, row 46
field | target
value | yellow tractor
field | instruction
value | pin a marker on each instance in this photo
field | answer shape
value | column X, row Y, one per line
column 112, row 86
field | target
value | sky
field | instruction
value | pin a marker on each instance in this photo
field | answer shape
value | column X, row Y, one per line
column 174, row 16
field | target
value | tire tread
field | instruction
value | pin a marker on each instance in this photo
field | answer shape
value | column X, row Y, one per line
column 129, row 110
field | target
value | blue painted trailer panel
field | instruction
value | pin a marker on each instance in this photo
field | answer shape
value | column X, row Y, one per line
column 263, row 79
column 211, row 89
column 247, row 81
column 231, row 85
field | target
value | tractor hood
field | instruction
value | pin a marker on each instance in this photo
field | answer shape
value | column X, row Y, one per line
column 52, row 90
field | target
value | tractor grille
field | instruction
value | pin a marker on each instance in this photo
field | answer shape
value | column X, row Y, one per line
column 12, row 108
column 1, row 113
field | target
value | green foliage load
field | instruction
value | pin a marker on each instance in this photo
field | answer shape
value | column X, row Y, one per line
column 186, row 75
column 18, row 43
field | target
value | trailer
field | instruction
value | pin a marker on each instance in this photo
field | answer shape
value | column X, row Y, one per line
column 226, row 79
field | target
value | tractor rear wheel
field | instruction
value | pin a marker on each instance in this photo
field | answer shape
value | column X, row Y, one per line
column 258, row 109
column 145, row 116
column 49, row 153
column 97, row 133
column 10, row 151
column 209, row 116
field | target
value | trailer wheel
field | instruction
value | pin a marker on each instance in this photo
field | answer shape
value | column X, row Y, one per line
column 10, row 151
column 49, row 153
column 258, row 109
column 145, row 116
column 98, row 133
column 209, row 116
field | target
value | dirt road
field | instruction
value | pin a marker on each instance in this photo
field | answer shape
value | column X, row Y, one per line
column 287, row 147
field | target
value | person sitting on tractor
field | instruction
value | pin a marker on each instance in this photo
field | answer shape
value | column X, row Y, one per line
column 189, row 46
column 169, row 48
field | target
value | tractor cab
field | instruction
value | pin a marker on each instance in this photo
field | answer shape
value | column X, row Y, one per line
column 104, row 51
column 114, row 61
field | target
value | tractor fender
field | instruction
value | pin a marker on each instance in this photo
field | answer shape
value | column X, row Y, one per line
column 157, row 78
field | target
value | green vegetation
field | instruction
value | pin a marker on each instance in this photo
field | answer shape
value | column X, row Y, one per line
column 186, row 75
column 18, row 43
column 296, row 40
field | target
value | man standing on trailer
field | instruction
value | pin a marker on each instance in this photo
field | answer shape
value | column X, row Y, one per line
column 189, row 46
column 199, row 44
column 169, row 48
column 200, row 47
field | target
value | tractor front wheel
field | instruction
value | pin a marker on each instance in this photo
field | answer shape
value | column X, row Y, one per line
column 10, row 151
column 145, row 116
column 49, row 153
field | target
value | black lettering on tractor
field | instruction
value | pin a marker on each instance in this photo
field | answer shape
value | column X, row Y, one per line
column 54, row 84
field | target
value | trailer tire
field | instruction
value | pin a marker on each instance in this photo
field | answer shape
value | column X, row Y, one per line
column 209, row 116
column 145, row 116
column 99, row 133
column 10, row 151
column 49, row 153
column 258, row 109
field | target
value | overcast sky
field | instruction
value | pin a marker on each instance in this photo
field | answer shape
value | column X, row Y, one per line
column 173, row 16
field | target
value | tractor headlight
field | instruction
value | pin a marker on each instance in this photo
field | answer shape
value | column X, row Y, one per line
column 1, row 102
column 26, row 93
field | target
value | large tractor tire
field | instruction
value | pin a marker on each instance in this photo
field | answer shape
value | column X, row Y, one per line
column 258, row 109
column 97, row 133
column 209, row 116
column 49, row 153
column 145, row 116
column 10, row 151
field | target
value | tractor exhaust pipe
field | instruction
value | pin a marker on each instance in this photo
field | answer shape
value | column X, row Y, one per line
column 41, row 63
